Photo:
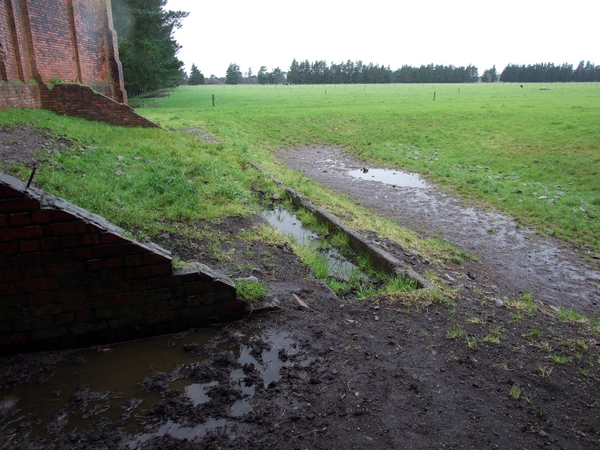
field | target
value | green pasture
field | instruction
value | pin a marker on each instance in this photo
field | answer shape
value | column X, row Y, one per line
column 529, row 152
column 532, row 151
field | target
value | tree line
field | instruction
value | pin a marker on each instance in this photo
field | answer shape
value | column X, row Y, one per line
column 354, row 72
column 550, row 73
column 148, row 54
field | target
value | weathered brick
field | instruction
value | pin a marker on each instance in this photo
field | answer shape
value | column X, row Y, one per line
column 54, row 270
column 192, row 289
column 85, row 316
column 40, row 298
column 12, row 275
column 49, row 244
column 34, row 272
column 17, row 234
column 70, row 241
column 13, row 339
column 9, row 248
column 111, row 238
column 41, row 217
column 90, row 239
column 18, row 205
column 38, row 284
column 73, row 267
column 3, row 221
column 49, row 333
column 95, row 265
column 33, row 259
column 30, row 246
column 62, row 216
column 43, row 322
column 134, row 260
column 7, row 288
column 154, row 258
column 20, row 220
column 114, row 262
column 154, row 271
column 65, row 228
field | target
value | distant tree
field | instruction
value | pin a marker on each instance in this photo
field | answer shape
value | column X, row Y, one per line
column 276, row 77
column 233, row 74
column 263, row 76
column 489, row 75
column 195, row 77
column 293, row 76
column 147, row 49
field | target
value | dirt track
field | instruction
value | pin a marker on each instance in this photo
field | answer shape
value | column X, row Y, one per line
column 514, row 258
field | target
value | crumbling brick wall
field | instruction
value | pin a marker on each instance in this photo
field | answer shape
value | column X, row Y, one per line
column 70, row 278
column 49, row 42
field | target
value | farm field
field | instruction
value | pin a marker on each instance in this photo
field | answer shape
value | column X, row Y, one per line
column 532, row 152
column 479, row 361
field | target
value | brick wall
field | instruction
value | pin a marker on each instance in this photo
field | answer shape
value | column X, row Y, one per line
column 68, row 40
column 19, row 96
column 70, row 278
column 82, row 101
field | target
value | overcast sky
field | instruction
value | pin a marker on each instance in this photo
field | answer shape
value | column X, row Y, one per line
column 461, row 32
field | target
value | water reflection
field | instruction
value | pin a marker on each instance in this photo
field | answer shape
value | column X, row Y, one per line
column 395, row 178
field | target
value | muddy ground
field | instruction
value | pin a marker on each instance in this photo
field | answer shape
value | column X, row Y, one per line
column 470, row 369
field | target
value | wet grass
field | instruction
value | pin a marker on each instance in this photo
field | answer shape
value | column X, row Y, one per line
column 528, row 152
column 148, row 180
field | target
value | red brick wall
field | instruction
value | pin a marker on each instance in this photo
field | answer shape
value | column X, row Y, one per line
column 70, row 278
column 19, row 96
column 68, row 40
column 82, row 101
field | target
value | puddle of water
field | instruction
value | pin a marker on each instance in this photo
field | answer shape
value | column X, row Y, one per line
column 289, row 224
column 112, row 384
column 112, row 376
column 395, row 178
column 180, row 432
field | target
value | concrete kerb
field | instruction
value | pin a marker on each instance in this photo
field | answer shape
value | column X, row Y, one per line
column 380, row 259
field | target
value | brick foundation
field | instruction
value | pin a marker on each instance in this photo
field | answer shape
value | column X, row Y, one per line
column 70, row 278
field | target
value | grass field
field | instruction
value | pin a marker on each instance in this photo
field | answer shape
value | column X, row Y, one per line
column 532, row 153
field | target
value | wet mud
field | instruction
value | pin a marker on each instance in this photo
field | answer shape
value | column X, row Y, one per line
column 516, row 258
column 469, row 371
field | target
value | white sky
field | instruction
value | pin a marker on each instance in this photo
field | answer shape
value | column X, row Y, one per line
column 460, row 32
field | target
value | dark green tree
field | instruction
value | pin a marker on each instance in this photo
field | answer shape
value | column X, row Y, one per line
column 195, row 77
column 147, row 49
column 489, row 75
column 233, row 74
column 263, row 76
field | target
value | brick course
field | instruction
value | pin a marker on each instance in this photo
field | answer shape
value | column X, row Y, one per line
column 80, row 281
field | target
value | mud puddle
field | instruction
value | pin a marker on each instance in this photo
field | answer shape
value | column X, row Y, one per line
column 128, row 385
column 395, row 178
column 513, row 258
column 287, row 223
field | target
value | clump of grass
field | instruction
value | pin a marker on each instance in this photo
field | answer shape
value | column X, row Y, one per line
column 524, row 303
column 251, row 291
column 494, row 335
column 559, row 359
column 568, row 315
column 544, row 371
column 455, row 333
column 263, row 233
